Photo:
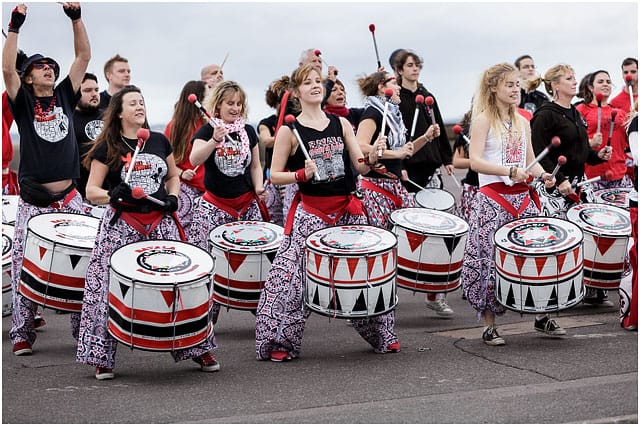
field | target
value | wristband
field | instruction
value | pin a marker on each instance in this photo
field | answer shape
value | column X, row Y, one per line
column 181, row 173
column 73, row 13
column 301, row 176
column 17, row 19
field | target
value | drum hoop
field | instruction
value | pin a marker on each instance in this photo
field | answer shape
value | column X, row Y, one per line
column 604, row 233
column 248, row 252
column 431, row 234
column 360, row 254
column 134, row 281
column 55, row 242
column 496, row 244
column 546, row 254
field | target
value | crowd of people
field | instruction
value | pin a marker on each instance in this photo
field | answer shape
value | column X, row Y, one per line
column 325, row 164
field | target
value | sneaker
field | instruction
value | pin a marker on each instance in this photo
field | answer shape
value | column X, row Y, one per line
column 39, row 322
column 280, row 356
column 491, row 337
column 22, row 348
column 394, row 347
column 440, row 306
column 207, row 362
column 103, row 373
column 549, row 326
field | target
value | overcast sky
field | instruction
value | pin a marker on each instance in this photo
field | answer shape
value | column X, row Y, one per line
column 167, row 43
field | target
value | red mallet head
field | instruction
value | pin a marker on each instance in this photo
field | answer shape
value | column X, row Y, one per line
column 562, row 160
column 289, row 119
column 419, row 99
column 143, row 134
column 555, row 141
column 457, row 129
column 372, row 28
column 388, row 93
column 599, row 98
column 137, row 192
column 428, row 100
column 317, row 52
column 607, row 175
column 192, row 98
column 628, row 79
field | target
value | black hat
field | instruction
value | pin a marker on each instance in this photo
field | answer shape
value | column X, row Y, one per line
column 26, row 65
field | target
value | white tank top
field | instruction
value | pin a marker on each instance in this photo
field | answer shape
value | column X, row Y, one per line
column 506, row 148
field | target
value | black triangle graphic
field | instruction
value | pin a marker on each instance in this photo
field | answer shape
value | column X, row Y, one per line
column 316, row 298
column 553, row 299
column 572, row 291
column 499, row 291
column 529, row 301
column 334, row 303
column 271, row 255
column 451, row 243
column 392, row 298
column 380, row 303
column 74, row 258
column 123, row 289
column 511, row 300
column 361, row 303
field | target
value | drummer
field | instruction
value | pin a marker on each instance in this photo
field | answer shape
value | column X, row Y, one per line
column 130, row 219
column 320, row 203
column 503, row 194
column 48, row 150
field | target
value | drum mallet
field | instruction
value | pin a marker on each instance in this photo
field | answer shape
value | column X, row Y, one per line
column 428, row 101
column 388, row 93
column 457, row 129
column 562, row 160
column 143, row 135
column 194, row 100
column 628, row 79
column 606, row 176
column 419, row 101
column 318, row 53
column 613, row 122
column 372, row 28
column 555, row 142
column 421, row 188
column 138, row 193
column 291, row 121
column 599, row 100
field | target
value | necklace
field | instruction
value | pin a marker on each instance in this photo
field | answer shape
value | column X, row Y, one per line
column 130, row 147
column 43, row 114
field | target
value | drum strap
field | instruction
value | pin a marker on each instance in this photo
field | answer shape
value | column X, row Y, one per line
column 235, row 207
column 144, row 223
column 322, row 207
column 373, row 187
column 495, row 189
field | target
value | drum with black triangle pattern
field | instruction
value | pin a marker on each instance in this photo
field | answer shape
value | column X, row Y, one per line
column 430, row 249
column 539, row 265
column 351, row 271
column 244, row 251
column 607, row 230
column 57, row 250
column 160, row 295
column 7, row 247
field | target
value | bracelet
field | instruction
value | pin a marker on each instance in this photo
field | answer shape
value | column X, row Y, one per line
column 215, row 140
column 301, row 176
column 365, row 160
column 513, row 171
column 181, row 173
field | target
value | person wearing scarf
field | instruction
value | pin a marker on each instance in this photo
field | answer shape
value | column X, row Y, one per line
column 337, row 105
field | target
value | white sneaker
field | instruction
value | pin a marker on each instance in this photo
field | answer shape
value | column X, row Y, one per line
column 440, row 306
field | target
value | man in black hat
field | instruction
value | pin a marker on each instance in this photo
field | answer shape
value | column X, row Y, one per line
column 49, row 162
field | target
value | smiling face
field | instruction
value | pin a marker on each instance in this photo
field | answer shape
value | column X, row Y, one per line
column 390, row 83
column 231, row 107
column 311, row 90
column 601, row 84
column 133, row 111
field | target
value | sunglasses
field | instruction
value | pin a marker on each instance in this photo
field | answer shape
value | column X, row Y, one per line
column 388, row 80
column 41, row 65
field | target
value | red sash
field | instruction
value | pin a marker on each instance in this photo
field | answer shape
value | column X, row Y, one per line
column 323, row 207
column 60, row 204
column 373, row 187
column 494, row 191
column 145, row 223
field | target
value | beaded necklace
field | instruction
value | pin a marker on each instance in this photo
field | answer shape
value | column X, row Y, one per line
column 44, row 114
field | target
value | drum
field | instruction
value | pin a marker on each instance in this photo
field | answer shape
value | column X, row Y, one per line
column 618, row 197
column 9, row 208
column 351, row 271
column 95, row 211
column 244, row 251
column 7, row 247
column 160, row 295
column 56, row 255
column 606, row 234
column 430, row 249
column 437, row 199
column 538, row 265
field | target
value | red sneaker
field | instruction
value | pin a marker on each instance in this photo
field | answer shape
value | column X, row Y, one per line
column 39, row 322
column 280, row 356
column 22, row 348
column 103, row 373
column 207, row 362
column 394, row 347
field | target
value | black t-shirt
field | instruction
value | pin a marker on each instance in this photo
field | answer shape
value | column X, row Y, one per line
column 532, row 101
column 327, row 148
column 48, row 147
column 87, row 125
column 633, row 127
column 393, row 165
column 226, row 174
column 105, row 98
column 270, row 123
column 150, row 169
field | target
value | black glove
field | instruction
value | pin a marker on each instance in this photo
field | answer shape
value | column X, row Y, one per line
column 171, row 203
column 121, row 192
column 17, row 19
column 73, row 13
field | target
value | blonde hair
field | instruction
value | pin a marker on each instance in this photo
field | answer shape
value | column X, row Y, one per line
column 553, row 75
column 222, row 91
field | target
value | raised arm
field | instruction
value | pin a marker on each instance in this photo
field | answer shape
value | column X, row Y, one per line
column 81, row 45
column 10, row 51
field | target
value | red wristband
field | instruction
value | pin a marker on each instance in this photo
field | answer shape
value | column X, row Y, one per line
column 301, row 176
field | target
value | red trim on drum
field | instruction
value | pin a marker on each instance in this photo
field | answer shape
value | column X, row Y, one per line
column 157, row 317
column 233, row 284
column 371, row 280
column 156, row 345
column 519, row 277
column 430, row 267
column 52, row 278
column 427, row 287
column 618, row 266
column 235, row 303
column 48, row 302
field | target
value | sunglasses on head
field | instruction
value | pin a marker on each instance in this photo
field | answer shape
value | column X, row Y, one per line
column 389, row 79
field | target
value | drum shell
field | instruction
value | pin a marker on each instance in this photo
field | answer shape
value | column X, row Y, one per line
column 54, row 266
column 539, row 280
column 10, row 208
column 167, row 312
column 429, row 260
column 7, row 248
column 351, row 285
column 437, row 199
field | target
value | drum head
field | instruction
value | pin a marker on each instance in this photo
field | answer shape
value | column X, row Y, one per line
column 351, row 240
column 538, row 236
column 601, row 219
column 9, row 208
column 247, row 236
column 69, row 229
column 161, row 262
column 434, row 198
column 613, row 196
column 7, row 245
column 429, row 222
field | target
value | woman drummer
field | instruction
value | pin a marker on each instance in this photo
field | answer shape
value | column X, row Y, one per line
column 233, row 174
column 128, row 220
column 499, row 150
column 330, row 200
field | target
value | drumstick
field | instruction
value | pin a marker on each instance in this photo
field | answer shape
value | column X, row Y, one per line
column 628, row 79
column 453, row 177
column 422, row 188
column 555, row 142
column 318, row 53
column 224, row 61
column 457, row 129
column 428, row 101
column 599, row 100
column 419, row 101
column 138, row 193
column 607, row 176
column 613, row 120
column 291, row 120
column 372, row 28
column 194, row 100
column 388, row 93
column 143, row 135
column 562, row 160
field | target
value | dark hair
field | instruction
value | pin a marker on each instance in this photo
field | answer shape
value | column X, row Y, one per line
column 369, row 84
column 89, row 76
column 186, row 118
column 276, row 90
column 112, row 131
column 520, row 59
column 586, row 93
column 401, row 58
column 629, row 61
